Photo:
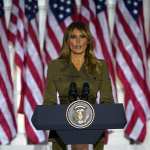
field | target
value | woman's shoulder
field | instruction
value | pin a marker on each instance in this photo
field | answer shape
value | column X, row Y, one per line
column 102, row 67
column 101, row 63
column 56, row 63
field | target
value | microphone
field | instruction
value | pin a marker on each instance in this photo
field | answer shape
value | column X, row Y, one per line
column 72, row 93
column 85, row 91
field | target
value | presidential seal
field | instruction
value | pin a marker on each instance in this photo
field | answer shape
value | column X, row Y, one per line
column 80, row 114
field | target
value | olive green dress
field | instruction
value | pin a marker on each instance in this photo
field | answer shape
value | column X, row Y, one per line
column 60, row 74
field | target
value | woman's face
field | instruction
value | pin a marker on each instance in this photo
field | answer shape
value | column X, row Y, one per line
column 77, row 42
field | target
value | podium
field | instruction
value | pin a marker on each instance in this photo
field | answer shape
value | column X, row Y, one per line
column 53, row 117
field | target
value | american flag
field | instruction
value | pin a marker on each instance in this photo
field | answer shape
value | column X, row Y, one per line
column 17, row 31
column 8, row 127
column 148, row 49
column 94, row 12
column 16, row 36
column 131, row 66
column 33, row 73
column 148, row 45
column 60, row 14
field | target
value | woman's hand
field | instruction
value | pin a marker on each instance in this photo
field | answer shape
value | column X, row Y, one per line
column 80, row 147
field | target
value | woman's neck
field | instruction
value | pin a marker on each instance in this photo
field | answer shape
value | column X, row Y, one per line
column 77, row 60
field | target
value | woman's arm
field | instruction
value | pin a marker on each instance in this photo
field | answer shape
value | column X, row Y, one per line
column 105, row 87
column 50, row 89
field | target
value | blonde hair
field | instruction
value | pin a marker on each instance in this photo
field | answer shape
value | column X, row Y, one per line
column 91, row 62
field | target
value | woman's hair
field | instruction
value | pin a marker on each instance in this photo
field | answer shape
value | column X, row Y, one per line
column 91, row 62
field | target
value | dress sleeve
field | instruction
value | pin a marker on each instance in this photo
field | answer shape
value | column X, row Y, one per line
column 105, row 86
column 50, row 93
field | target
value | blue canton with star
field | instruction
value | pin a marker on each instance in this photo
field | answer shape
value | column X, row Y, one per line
column 1, row 8
column 100, row 5
column 61, row 9
column 134, row 7
column 31, row 9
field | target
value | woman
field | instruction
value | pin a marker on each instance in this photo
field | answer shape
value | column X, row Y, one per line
column 77, row 64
